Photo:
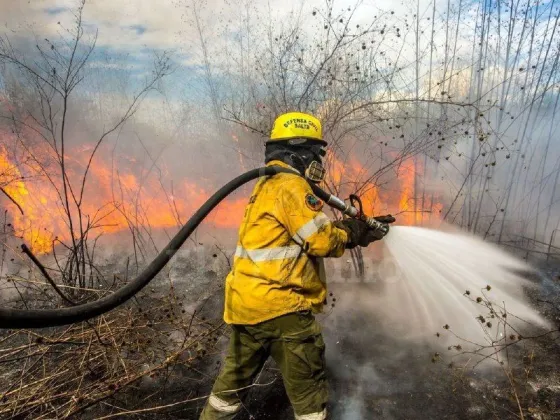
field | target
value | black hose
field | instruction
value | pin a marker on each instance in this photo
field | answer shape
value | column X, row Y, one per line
column 41, row 318
column 319, row 192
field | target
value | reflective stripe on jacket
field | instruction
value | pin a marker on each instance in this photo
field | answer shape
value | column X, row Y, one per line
column 277, row 264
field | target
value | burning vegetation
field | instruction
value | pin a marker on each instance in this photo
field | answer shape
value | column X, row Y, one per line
column 433, row 115
column 117, row 198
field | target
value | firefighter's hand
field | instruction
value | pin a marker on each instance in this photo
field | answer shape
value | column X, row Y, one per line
column 359, row 233
column 378, row 232
column 385, row 219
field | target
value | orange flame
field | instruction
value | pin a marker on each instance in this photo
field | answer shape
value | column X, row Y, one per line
column 407, row 201
column 117, row 198
column 114, row 199
column 353, row 177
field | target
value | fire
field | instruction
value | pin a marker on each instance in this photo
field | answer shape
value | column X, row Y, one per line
column 407, row 201
column 416, row 207
column 351, row 177
column 118, row 196
column 30, row 204
column 114, row 200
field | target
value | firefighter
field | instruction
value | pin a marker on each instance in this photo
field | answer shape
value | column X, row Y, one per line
column 277, row 284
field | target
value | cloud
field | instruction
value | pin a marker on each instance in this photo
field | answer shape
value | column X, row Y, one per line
column 139, row 24
column 140, row 29
column 55, row 10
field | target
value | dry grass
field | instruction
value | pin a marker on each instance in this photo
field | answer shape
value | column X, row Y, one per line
column 62, row 372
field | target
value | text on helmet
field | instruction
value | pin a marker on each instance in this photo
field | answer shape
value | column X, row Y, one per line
column 301, row 123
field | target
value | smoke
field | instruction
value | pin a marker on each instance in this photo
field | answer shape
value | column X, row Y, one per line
column 354, row 407
column 436, row 275
column 384, row 330
column 429, row 281
column 180, row 132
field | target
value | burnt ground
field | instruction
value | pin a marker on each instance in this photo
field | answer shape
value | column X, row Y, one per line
column 376, row 374
column 374, row 371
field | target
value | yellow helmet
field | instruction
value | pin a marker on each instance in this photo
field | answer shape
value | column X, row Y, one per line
column 296, row 125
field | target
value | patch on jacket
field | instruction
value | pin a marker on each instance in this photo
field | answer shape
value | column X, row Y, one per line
column 313, row 202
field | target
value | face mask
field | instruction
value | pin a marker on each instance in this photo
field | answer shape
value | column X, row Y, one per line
column 306, row 158
column 313, row 155
column 315, row 172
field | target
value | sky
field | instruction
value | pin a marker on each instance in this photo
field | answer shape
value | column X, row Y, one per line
column 136, row 27
column 230, row 33
column 131, row 32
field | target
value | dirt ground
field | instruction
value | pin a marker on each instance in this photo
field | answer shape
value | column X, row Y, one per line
column 397, row 380
column 373, row 371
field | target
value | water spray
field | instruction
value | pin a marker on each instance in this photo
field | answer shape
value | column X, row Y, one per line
column 41, row 318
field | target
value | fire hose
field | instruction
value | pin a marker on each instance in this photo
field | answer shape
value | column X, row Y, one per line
column 41, row 318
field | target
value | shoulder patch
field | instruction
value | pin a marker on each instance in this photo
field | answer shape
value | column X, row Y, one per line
column 313, row 202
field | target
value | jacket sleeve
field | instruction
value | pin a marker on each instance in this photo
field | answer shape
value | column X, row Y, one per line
column 308, row 226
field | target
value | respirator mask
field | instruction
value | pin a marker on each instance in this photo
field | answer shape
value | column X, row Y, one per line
column 301, row 154
column 311, row 155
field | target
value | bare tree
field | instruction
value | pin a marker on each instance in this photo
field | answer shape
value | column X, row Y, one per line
column 53, row 79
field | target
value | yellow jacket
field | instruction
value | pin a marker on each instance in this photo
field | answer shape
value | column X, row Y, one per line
column 277, row 264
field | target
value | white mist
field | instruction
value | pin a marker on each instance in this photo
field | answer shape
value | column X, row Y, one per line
column 426, row 273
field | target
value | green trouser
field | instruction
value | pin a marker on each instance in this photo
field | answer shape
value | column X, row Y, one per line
column 295, row 342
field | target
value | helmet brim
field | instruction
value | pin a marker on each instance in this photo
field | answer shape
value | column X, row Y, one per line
column 309, row 140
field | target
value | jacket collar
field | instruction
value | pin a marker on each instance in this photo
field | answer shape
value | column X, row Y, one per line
column 281, row 164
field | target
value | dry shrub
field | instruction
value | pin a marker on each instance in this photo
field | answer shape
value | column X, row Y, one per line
column 61, row 372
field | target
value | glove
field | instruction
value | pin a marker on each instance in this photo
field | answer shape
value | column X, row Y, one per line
column 385, row 219
column 359, row 233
